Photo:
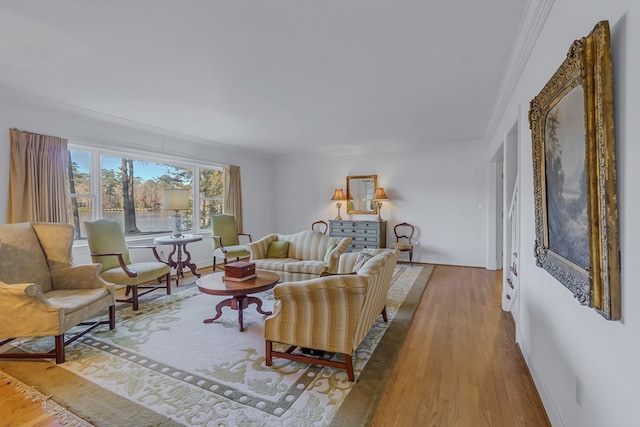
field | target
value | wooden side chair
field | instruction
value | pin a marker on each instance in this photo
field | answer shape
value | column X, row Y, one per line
column 226, row 239
column 320, row 226
column 404, row 239
column 108, row 247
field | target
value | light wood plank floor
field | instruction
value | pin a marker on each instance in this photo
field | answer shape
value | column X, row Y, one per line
column 459, row 365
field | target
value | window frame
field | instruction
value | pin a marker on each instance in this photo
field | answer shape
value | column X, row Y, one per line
column 177, row 161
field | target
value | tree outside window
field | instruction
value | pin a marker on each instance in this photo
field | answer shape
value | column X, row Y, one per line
column 131, row 192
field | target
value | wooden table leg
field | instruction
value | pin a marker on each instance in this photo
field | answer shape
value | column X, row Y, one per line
column 189, row 264
column 238, row 303
column 225, row 303
column 258, row 302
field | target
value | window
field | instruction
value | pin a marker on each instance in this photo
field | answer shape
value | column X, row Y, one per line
column 128, row 189
column 211, row 192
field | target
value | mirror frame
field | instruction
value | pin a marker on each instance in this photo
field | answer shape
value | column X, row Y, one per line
column 360, row 178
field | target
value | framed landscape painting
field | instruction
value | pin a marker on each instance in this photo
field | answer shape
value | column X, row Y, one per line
column 574, row 171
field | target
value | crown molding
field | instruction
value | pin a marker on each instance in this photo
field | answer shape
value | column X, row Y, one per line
column 30, row 100
column 533, row 20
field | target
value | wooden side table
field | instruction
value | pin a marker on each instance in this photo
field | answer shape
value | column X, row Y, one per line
column 214, row 284
column 178, row 246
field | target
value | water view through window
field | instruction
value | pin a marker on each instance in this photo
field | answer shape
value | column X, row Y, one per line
column 129, row 191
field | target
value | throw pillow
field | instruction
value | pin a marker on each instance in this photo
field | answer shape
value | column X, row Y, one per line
column 278, row 249
column 363, row 257
column 327, row 255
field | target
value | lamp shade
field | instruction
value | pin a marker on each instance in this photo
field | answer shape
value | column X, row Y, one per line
column 338, row 195
column 175, row 199
column 380, row 194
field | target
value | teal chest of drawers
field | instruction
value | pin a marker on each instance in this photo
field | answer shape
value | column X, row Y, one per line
column 364, row 234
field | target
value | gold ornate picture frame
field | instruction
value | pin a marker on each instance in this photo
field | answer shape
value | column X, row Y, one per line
column 574, row 175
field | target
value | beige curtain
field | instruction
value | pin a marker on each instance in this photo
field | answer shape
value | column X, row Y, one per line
column 233, row 194
column 37, row 186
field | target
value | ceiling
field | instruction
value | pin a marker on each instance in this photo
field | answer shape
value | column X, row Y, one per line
column 278, row 76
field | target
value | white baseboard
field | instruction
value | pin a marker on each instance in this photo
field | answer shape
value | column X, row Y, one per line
column 552, row 411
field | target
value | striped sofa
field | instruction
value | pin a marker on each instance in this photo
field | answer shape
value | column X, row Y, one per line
column 305, row 258
column 332, row 313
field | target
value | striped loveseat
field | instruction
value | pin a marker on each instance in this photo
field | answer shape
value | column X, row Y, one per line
column 331, row 313
column 309, row 254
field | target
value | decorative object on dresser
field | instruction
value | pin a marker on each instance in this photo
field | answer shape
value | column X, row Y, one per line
column 378, row 198
column 361, row 191
column 175, row 199
column 404, row 239
column 338, row 195
column 363, row 234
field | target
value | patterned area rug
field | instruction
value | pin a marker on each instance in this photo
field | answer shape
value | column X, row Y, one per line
column 167, row 364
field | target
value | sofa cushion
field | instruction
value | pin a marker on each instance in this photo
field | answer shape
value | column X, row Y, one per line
column 273, row 264
column 278, row 249
column 307, row 266
column 363, row 257
column 327, row 255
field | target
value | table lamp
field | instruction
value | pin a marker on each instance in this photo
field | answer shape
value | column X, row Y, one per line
column 379, row 196
column 176, row 199
column 338, row 194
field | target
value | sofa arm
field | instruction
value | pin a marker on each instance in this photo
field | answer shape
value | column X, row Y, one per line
column 320, row 313
column 334, row 258
column 24, row 312
column 259, row 248
column 85, row 276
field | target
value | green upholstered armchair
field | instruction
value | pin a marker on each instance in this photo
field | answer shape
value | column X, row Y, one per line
column 42, row 293
column 108, row 247
column 226, row 239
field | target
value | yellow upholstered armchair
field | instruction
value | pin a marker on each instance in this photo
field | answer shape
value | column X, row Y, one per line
column 331, row 313
column 108, row 247
column 226, row 239
column 42, row 293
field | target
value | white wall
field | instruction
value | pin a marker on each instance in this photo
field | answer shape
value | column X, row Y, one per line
column 440, row 190
column 36, row 115
column 567, row 346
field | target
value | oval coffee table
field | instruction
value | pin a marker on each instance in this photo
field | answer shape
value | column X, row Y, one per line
column 213, row 284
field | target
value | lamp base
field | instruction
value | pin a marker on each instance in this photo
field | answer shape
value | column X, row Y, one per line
column 177, row 225
column 379, row 212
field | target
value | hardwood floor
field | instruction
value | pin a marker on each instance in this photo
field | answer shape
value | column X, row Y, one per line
column 459, row 365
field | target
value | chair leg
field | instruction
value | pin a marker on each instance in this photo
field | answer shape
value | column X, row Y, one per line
column 168, row 281
column 134, row 297
column 59, row 340
column 267, row 355
column 349, row 367
column 411, row 257
column 214, row 264
column 112, row 316
column 384, row 313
